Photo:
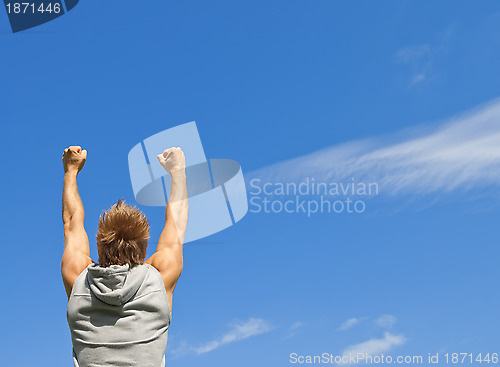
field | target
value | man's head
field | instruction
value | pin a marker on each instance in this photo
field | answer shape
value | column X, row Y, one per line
column 122, row 236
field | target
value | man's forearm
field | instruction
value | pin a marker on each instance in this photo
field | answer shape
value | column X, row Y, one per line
column 176, row 213
column 72, row 210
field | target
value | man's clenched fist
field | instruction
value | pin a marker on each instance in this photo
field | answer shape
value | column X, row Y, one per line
column 172, row 159
column 74, row 158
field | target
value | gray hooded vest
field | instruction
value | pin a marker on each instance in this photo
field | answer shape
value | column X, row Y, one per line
column 119, row 317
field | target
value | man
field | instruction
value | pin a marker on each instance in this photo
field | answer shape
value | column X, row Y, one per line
column 120, row 308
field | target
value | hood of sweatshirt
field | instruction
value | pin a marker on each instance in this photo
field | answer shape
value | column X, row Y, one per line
column 115, row 284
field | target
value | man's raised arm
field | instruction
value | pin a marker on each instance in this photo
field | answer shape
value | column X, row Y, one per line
column 168, row 256
column 76, row 255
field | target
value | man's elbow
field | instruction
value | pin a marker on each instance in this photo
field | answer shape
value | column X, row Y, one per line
column 66, row 217
column 71, row 224
column 67, row 226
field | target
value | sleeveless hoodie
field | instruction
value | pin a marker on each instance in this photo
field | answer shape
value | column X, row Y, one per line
column 119, row 316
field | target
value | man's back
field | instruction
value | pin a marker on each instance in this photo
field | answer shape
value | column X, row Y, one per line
column 119, row 316
column 119, row 311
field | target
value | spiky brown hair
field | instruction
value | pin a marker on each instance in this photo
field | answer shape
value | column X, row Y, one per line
column 122, row 235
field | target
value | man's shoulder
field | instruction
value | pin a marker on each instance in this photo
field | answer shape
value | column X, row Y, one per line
column 154, row 275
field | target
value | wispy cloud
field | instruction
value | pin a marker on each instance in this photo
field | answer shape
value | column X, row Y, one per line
column 386, row 321
column 237, row 332
column 375, row 346
column 462, row 153
column 292, row 330
column 418, row 59
column 349, row 323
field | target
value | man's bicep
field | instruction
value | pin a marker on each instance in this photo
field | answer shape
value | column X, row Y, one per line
column 72, row 264
column 169, row 237
column 76, row 256
column 76, row 238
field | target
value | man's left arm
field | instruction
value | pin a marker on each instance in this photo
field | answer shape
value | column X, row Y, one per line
column 76, row 255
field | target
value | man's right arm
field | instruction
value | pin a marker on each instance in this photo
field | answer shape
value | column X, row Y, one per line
column 168, row 259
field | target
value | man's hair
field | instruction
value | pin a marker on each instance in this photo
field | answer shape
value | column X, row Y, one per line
column 122, row 236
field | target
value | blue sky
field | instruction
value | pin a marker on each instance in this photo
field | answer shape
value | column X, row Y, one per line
column 375, row 90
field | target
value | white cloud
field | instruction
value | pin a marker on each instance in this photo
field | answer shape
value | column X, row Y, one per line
column 418, row 59
column 375, row 346
column 292, row 330
column 408, row 54
column 296, row 325
column 386, row 321
column 460, row 154
column 349, row 324
column 239, row 331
